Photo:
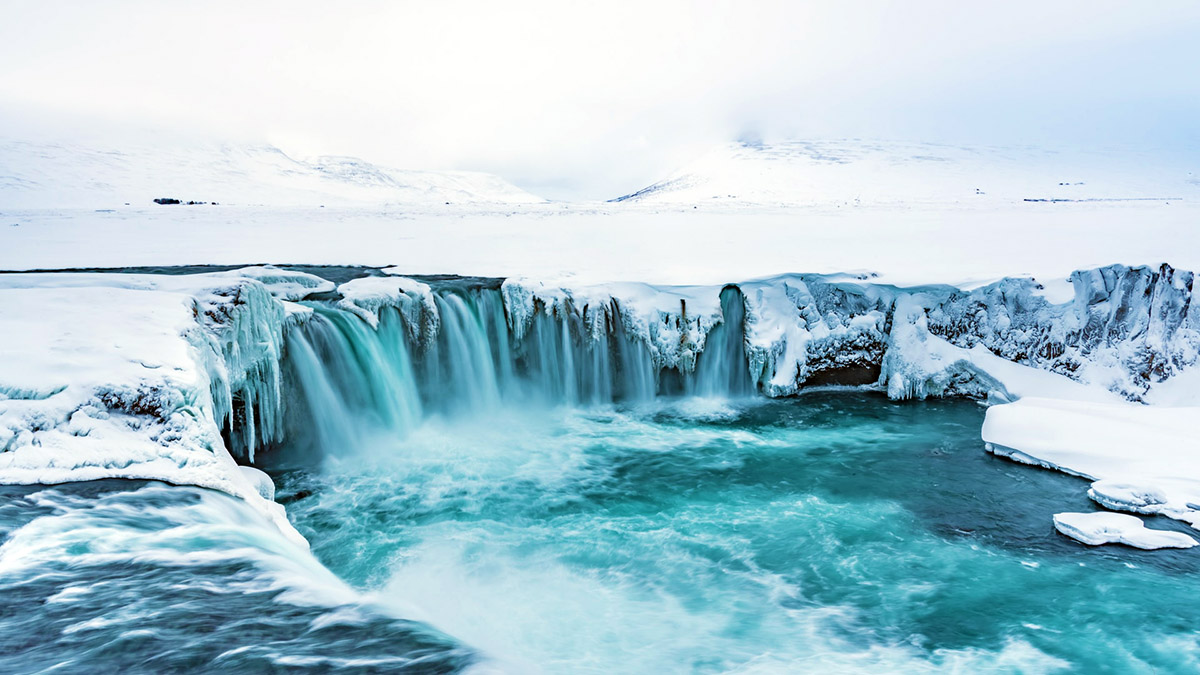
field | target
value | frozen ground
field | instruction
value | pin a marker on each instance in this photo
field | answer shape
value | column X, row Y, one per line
column 909, row 212
column 601, row 243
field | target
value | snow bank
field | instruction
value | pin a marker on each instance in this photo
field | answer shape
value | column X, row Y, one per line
column 1144, row 459
column 133, row 376
column 1099, row 528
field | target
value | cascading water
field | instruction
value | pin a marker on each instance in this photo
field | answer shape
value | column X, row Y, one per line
column 722, row 368
column 462, row 367
column 353, row 377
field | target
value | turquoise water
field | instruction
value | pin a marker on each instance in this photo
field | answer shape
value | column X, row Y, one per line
column 836, row 531
column 556, row 500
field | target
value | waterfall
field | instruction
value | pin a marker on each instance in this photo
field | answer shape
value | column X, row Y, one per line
column 723, row 369
column 464, row 366
column 351, row 379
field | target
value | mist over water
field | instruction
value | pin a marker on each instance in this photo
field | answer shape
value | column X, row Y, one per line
column 838, row 530
column 129, row 576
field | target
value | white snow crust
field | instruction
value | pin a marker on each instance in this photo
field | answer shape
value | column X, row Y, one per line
column 1099, row 528
column 1143, row 459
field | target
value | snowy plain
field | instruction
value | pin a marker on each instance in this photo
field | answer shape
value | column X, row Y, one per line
column 911, row 213
column 886, row 219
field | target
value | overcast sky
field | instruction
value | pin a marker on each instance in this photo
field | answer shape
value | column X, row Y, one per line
column 592, row 100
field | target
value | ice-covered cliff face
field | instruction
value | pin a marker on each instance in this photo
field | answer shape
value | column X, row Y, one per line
column 1124, row 329
column 173, row 377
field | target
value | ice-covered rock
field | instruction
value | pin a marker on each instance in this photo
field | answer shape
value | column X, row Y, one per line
column 281, row 283
column 414, row 299
column 1125, row 329
column 1095, row 529
column 260, row 480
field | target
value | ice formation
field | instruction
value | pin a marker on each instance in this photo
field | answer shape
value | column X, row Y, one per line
column 135, row 376
column 177, row 378
column 1124, row 329
column 1099, row 528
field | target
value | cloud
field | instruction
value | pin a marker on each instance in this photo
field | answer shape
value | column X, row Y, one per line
column 596, row 99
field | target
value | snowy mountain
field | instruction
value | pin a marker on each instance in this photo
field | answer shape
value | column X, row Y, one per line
column 53, row 174
column 867, row 173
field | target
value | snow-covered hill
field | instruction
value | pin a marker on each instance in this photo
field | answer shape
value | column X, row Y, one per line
column 901, row 175
column 89, row 175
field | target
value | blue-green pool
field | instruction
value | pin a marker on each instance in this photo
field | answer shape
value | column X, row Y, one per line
column 833, row 532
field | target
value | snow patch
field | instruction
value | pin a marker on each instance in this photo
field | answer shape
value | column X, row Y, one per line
column 1095, row 529
column 1142, row 458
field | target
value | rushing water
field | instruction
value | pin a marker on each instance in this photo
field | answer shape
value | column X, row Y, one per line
column 835, row 531
column 536, row 503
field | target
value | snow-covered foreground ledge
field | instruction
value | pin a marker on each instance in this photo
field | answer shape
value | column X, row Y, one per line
column 1143, row 459
column 136, row 376
column 133, row 376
